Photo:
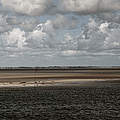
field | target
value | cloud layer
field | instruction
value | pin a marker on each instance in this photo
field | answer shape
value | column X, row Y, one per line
column 97, row 37
column 30, row 7
column 67, row 29
column 90, row 6
column 41, row 7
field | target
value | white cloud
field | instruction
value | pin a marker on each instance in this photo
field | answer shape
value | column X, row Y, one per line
column 96, row 38
column 112, row 41
column 25, row 30
column 70, row 53
column 104, row 27
column 15, row 38
column 42, row 36
column 45, row 34
column 36, row 39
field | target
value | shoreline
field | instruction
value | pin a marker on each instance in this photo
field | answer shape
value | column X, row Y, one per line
column 62, row 82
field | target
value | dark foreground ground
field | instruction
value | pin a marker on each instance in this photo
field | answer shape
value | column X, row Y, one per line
column 60, row 103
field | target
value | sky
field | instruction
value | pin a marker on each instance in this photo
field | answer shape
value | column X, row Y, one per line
column 59, row 33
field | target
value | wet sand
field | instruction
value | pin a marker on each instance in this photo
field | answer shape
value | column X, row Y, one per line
column 33, row 77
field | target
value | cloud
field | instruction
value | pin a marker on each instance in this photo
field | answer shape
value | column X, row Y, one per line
column 96, row 38
column 110, row 17
column 59, row 30
column 62, row 21
column 37, row 39
column 29, row 7
column 89, row 6
column 45, row 34
column 3, row 24
column 14, row 38
column 27, row 32
column 25, row 23
column 112, row 40
column 99, row 35
column 42, row 7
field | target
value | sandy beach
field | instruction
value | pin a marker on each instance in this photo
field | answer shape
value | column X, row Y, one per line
column 32, row 77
